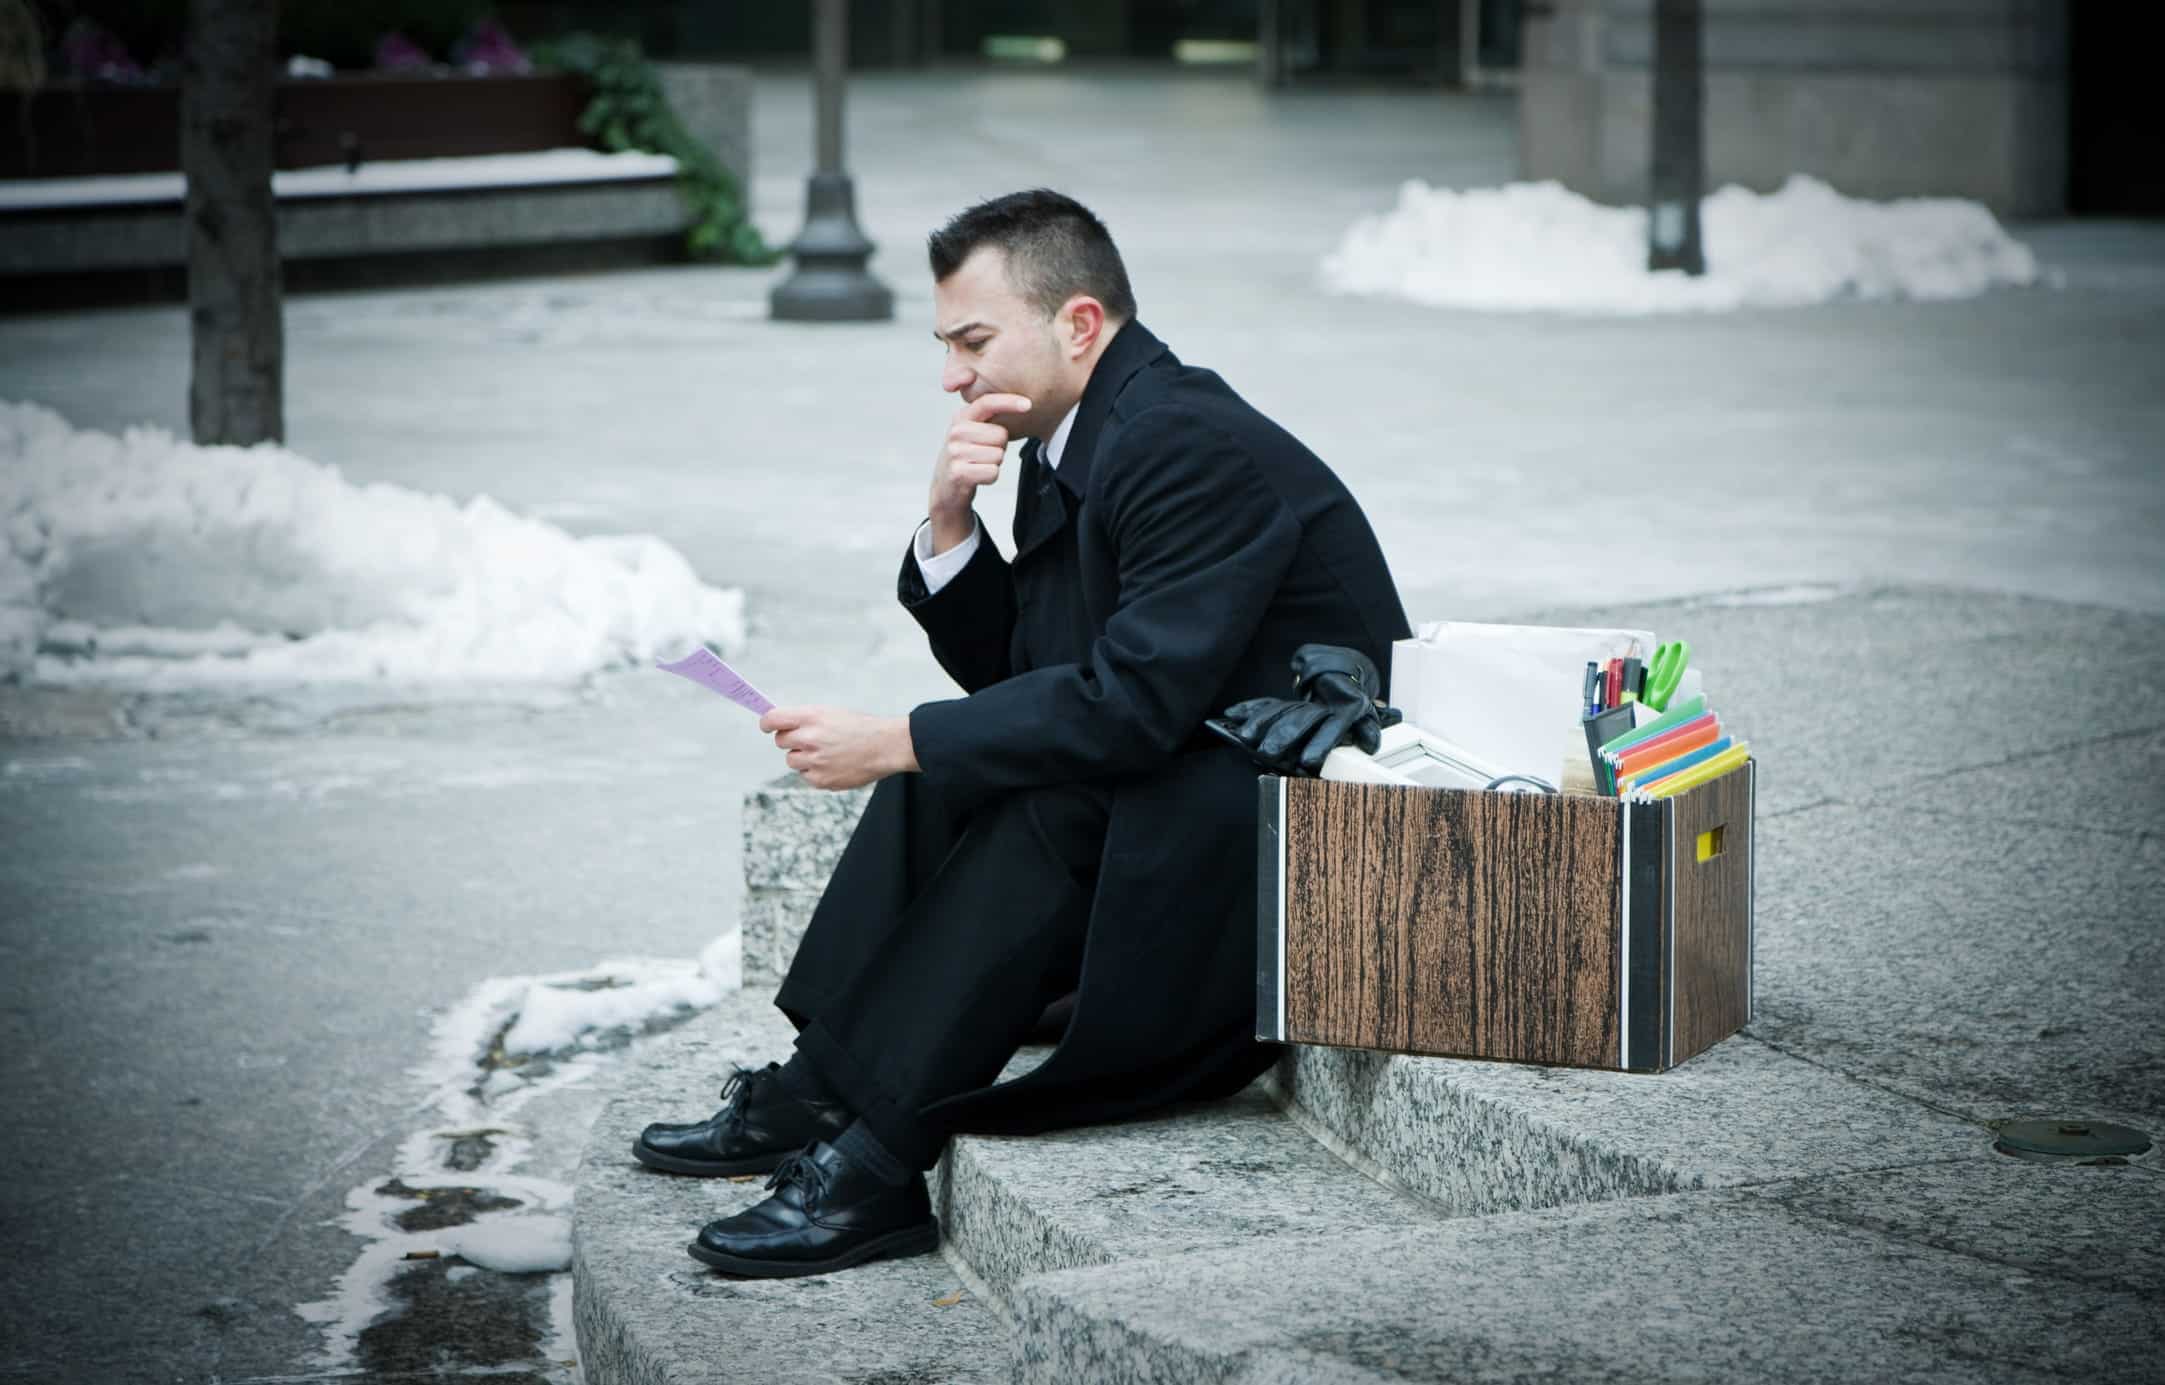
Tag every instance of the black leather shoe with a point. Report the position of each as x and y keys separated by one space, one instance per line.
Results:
x=760 y=1124
x=826 y=1214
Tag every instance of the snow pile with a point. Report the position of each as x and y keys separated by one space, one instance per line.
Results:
x=555 y=1012
x=563 y=1011
x=141 y=558
x=1540 y=247
x=513 y=1245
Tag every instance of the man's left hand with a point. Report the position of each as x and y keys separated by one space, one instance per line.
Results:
x=834 y=748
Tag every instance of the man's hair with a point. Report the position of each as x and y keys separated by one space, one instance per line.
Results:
x=1055 y=249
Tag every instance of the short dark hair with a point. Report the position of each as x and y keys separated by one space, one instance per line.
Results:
x=1055 y=249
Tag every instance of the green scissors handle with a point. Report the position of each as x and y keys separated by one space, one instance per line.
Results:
x=1663 y=672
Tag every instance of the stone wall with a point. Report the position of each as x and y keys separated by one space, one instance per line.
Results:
x=714 y=100
x=1955 y=98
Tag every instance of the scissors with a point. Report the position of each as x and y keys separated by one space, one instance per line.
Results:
x=1663 y=672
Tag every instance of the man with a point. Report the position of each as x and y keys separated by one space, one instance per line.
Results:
x=1067 y=826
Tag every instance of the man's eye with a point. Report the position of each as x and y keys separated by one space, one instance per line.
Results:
x=977 y=345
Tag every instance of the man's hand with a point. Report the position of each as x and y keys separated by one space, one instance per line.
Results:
x=838 y=749
x=971 y=458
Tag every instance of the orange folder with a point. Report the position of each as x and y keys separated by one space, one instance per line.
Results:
x=1690 y=736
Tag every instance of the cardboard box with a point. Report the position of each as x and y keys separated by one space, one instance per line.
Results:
x=1562 y=929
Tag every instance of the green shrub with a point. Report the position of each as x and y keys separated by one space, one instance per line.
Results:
x=628 y=110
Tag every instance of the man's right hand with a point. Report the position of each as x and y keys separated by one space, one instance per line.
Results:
x=971 y=458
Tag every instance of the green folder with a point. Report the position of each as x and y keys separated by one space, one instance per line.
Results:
x=1675 y=716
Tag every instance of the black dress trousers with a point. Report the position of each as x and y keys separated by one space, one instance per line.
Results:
x=944 y=933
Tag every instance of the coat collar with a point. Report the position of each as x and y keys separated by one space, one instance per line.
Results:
x=1132 y=348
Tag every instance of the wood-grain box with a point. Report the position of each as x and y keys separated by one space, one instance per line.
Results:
x=1562 y=929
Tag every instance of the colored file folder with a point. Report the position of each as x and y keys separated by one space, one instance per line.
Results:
x=1690 y=736
x=1667 y=721
x=1678 y=765
x=1732 y=758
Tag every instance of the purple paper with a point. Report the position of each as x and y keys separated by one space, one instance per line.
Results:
x=706 y=669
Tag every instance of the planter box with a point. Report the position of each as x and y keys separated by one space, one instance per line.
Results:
x=96 y=130
x=1561 y=929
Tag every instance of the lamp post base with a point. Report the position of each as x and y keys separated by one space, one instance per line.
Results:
x=830 y=282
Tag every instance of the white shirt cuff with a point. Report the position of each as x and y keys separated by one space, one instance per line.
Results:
x=938 y=570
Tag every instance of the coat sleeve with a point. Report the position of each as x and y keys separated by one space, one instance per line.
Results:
x=970 y=620
x=1201 y=543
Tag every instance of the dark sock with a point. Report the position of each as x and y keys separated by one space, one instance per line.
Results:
x=803 y=1082
x=860 y=1146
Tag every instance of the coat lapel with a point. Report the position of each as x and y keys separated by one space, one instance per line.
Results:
x=1040 y=509
x=1051 y=495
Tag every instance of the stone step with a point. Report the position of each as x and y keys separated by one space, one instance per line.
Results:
x=1221 y=1243
x=1230 y=1174
x=1234 y=1175
x=1984 y=1269
x=1496 y=1137
x=648 y=1313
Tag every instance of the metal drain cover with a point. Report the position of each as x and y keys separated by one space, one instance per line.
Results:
x=2070 y=1141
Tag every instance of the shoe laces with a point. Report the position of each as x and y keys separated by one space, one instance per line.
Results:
x=737 y=1096
x=799 y=1169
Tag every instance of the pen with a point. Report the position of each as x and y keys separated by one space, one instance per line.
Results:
x=1587 y=696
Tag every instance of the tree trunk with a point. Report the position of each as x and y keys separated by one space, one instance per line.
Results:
x=235 y=288
x=1679 y=179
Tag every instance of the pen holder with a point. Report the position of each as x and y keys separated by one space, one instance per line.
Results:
x=1561 y=929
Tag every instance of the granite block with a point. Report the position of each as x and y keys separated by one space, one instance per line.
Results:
x=1226 y=1174
x=1491 y=1137
x=1711 y=1286
x=647 y=1313
x=794 y=833
x=774 y=923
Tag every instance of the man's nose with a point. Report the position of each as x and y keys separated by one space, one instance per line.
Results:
x=955 y=377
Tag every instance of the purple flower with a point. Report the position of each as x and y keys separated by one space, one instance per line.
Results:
x=488 y=48
x=90 y=51
x=397 y=53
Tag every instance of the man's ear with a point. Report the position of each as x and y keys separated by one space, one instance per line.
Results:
x=1081 y=322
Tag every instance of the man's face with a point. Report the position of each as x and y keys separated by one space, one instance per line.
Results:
x=998 y=344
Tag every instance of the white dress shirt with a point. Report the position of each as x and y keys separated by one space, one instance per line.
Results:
x=939 y=568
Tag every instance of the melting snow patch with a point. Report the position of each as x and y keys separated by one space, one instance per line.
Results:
x=476 y=1144
x=1540 y=247
x=146 y=560
x=559 y=1012
x=513 y=1245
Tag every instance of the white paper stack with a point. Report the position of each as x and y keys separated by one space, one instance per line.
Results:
x=1510 y=694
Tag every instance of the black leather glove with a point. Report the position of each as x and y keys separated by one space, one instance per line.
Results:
x=1340 y=690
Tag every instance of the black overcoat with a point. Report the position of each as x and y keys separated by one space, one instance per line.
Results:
x=1169 y=566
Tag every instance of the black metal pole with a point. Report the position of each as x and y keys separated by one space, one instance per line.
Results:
x=830 y=58
x=1679 y=165
x=830 y=282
